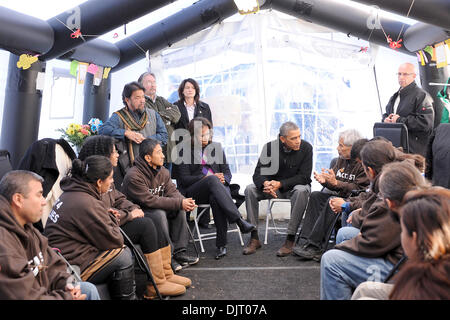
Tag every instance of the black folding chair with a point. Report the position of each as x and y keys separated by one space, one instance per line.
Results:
x=397 y=133
x=5 y=163
x=395 y=268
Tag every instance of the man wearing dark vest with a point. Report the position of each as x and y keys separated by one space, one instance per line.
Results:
x=132 y=124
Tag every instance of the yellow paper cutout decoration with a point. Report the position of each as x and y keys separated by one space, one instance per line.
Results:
x=25 y=61
x=106 y=72
x=422 y=61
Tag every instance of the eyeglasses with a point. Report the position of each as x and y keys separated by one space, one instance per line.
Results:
x=403 y=74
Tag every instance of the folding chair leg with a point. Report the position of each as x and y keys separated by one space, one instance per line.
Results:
x=240 y=236
x=330 y=231
x=193 y=241
x=267 y=225
x=141 y=261
x=198 y=234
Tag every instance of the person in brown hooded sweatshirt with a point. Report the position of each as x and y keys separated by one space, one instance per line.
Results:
x=140 y=229
x=371 y=254
x=148 y=184
x=29 y=268
x=80 y=226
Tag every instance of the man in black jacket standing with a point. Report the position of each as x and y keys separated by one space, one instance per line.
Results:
x=412 y=106
x=283 y=171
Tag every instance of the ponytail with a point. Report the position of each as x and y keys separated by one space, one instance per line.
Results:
x=92 y=169
x=376 y=153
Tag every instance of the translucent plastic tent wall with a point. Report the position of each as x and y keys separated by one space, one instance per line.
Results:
x=255 y=72
x=264 y=70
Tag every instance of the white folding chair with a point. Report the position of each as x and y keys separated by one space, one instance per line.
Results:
x=269 y=215
x=198 y=212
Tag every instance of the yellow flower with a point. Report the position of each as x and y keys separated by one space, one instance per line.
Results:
x=70 y=131
x=77 y=127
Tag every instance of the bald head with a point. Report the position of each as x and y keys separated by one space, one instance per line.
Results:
x=406 y=74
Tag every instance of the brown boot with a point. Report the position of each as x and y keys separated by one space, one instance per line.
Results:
x=165 y=287
x=168 y=272
x=251 y=247
x=286 y=249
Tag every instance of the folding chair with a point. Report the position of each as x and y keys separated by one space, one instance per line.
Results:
x=201 y=209
x=269 y=215
x=141 y=262
x=5 y=163
x=397 y=133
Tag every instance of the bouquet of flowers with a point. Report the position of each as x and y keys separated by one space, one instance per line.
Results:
x=77 y=133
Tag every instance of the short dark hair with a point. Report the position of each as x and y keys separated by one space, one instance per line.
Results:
x=17 y=181
x=147 y=146
x=356 y=148
x=204 y=122
x=92 y=168
x=129 y=88
x=97 y=145
x=196 y=86
x=286 y=127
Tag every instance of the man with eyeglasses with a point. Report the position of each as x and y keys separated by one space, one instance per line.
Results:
x=412 y=106
x=169 y=112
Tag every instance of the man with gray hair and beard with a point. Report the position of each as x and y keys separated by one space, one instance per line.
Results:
x=283 y=171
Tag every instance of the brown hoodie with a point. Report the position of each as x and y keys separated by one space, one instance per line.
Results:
x=29 y=268
x=379 y=235
x=117 y=200
x=150 y=188
x=350 y=176
x=80 y=225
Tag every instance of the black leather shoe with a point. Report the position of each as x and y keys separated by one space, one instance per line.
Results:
x=221 y=252
x=245 y=226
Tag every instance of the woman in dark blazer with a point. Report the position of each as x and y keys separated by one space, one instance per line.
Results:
x=190 y=105
x=205 y=177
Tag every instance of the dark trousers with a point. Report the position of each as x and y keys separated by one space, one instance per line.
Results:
x=121 y=262
x=211 y=190
x=318 y=221
x=172 y=226
x=142 y=231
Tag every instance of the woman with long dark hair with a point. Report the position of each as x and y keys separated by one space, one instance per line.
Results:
x=425 y=221
x=80 y=226
x=190 y=105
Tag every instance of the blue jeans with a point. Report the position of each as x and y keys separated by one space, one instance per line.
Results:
x=90 y=290
x=341 y=272
x=346 y=233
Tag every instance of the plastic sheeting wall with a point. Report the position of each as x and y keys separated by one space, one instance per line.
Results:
x=265 y=70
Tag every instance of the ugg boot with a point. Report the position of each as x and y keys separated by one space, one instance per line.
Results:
x=166 y=288
x=168 y=272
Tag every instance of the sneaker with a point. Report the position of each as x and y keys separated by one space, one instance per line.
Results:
x=308 y=252
x=286 y=249
x=184 y=259
x=176 y=266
